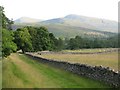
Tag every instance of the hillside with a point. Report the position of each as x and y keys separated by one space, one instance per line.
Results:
x=72 y=31
x=76 y=25
x=86 y=22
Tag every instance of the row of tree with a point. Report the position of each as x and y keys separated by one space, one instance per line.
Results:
x=34 y=39
x=79 y=42
x=28 y=39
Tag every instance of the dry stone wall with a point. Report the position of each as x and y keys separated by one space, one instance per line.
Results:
x=97 y=72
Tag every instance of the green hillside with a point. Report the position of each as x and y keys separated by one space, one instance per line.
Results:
x=72 y=25
x=61 y=30
x=20 y=71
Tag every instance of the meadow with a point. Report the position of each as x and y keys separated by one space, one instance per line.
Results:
x=19 y=71
x=94 y=50
x=102 y=59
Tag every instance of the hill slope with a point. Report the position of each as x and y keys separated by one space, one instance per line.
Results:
x=85 y=22
x=72 y=25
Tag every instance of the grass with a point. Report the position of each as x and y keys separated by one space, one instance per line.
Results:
x=0 y=74
x=90 y=50
x=105 y=59
x=20 y=71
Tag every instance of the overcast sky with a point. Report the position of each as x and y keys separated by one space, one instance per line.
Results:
x=48 y=9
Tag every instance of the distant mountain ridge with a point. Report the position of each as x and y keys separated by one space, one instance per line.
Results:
x=87 y=22
x=27 y=20
x=72 y=25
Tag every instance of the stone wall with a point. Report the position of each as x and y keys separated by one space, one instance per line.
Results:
x=97 y=72
x=97 y=52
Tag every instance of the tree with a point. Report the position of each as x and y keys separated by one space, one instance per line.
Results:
x=53 y=41
x=59 y=44
x=72 y=44
x=8 y=46
x=23 y=39
x=33 y=32
x=41 y=38
x=76 y=43
x=6 y=23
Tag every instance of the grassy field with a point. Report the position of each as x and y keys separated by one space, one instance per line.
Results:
x=91 y=50
x=20 y=71
x=105 y=59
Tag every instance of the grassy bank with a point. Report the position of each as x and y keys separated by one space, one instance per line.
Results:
x=20 y=71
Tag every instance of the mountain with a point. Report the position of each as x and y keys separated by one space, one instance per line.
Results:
x=72 y=25
x=86 y=22
x=27 y=20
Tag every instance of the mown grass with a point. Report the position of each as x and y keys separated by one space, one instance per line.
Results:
x=12 y=75
x=105 y=59
x=20 y=71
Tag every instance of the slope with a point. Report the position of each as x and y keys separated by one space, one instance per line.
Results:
x=72 y=25
x=85 y=22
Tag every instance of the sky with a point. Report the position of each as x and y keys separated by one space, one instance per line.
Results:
x=48 y=9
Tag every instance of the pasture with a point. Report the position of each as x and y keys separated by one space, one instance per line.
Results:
x=19 y=71
x=109 y=59
x=95 y=50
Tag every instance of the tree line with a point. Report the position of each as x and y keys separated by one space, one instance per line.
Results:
x=33 y=39
x=78 y=42
x=28 y=39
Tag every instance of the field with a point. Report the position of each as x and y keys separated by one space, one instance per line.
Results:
x=20 y=71
x=91 y=50
x=105 y=59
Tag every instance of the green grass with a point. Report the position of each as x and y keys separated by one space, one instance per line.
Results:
x=20 y=71
x=0 y=74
